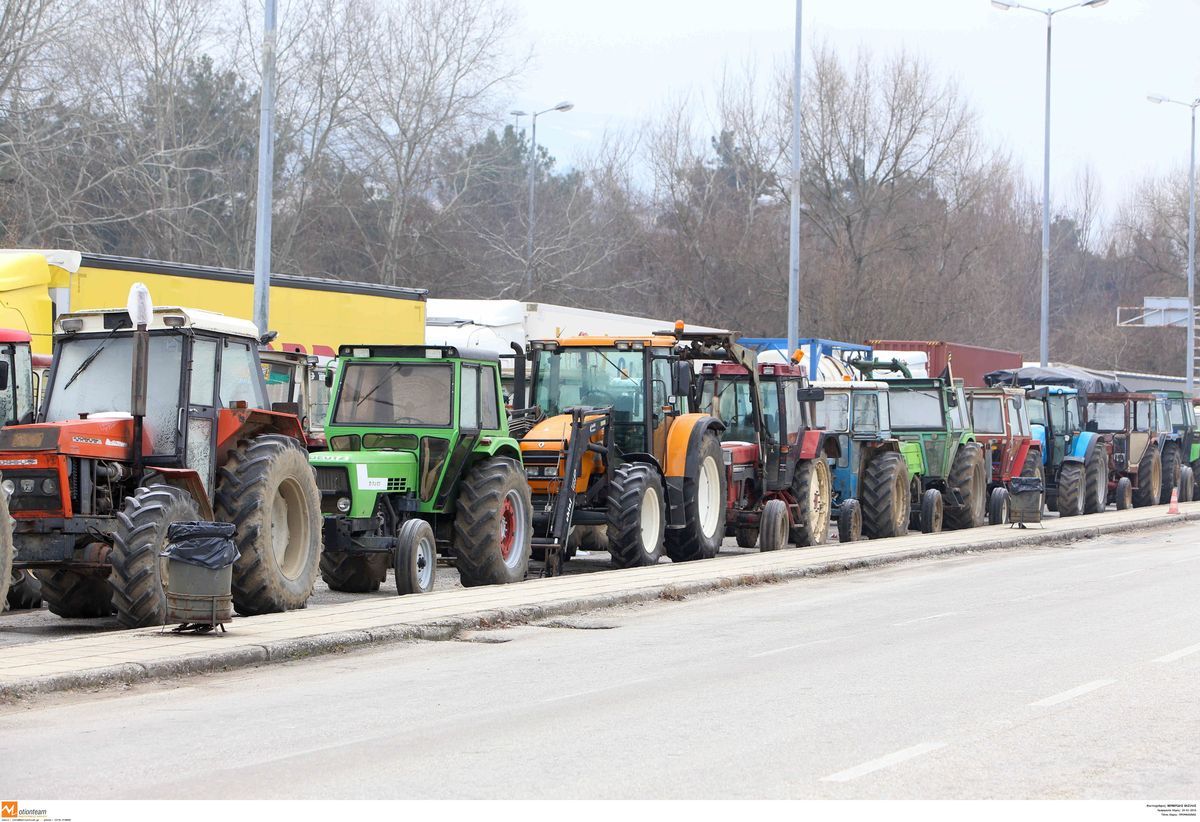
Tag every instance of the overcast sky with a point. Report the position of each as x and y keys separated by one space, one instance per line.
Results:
x=619 y=60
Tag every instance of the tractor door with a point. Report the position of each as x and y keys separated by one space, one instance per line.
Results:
x=664 y=404
x=1141 y=428
x=470 y=425
x=1064 y=421
x=200 y=427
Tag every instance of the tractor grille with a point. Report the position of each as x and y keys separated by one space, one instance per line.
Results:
x=34 y=491
x=540 y=464
x=333 y=480
x=397 y=484
x=935 y=453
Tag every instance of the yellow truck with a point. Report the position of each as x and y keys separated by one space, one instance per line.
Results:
x=312 y=315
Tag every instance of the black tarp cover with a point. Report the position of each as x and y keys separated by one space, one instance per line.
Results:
x=1078 y=379
x=204 y=544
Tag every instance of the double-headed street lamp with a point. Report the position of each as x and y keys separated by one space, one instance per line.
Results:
x=563 y=106
x=1191 y=274
x=1005 y=5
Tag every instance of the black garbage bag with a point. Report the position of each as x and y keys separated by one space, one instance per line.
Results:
x=205 y=544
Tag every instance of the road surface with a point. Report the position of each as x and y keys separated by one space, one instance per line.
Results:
x=1066 y=672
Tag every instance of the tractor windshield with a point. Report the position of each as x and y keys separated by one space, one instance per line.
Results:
x=395 y=394
x=728 y=399
x=1108 y=417
x=1037 y=411
x=833 y=413
x=917 y=409
x=105 y=385
x=1178 y=409
x=987 y=417
x=596 y=377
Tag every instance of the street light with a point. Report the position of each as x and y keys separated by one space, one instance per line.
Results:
x=1191 y=275
x=563 y=106
x=1006 y=5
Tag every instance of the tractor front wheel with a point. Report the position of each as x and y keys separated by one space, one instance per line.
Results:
x=493 y=525
x=932 y=511
x=850 y=521
x=773 y=524
x=703 y=507
x=747 y=537
x=813 y=489
x=1124 y=494
x=353 y=573
x=1071 y=489
x=415 y=560
x=1187 y=487
x=886 y=497
x=636 y=516
x=25 y=592
x=72 y=595
x=267 y=489
x=1150 y=479
x=139 y=573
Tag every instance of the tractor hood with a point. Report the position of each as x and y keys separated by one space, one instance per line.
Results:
x=107 y=438
x=550 y=433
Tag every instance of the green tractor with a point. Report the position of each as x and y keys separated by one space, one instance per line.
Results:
x=420 y=462
x=950 y=484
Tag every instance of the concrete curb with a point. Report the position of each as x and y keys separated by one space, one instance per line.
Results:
x=445 y=629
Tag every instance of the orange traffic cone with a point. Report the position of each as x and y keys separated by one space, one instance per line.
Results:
x=1174 y=509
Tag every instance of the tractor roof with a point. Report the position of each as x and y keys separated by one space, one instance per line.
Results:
x=853 y=385
x=733 y=369
x=593 y=341
x=102 y=320
x=415 y=352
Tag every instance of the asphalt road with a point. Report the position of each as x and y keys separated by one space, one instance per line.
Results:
x=1065 y=672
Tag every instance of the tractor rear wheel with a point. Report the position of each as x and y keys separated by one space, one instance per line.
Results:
x=1071 y=489
x=7 y=552
x=493 y=525
x=25 y=592
x=1124 y=494
x=812 y=487
x=139 y=574
x=353 y=573
x=1172 y=462
x=850 y=521
x=267 y=489
x=773 y=524
x=636 y=516
x=1150 y=479
x=968 y=478
x=703 y=507
x=1095 y=492
x=76 y=596
x=886 y=496
x=932 y=511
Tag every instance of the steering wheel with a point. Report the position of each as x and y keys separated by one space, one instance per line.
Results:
x=608 y=398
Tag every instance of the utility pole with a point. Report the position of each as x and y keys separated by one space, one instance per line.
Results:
x=793 y=304
x=266 y=174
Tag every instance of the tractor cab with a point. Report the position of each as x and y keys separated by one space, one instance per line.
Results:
x=295 y=384
x=1130 y=425
x=17 y=401
x=1180 y=449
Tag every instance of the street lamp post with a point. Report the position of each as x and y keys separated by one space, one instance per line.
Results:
x=793 y=306
x=1005 y=5
x=1191 y=272
x=563 y=106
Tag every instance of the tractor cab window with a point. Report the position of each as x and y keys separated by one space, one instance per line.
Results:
x=1037 y=411
x=1177 y=411
x=833 y=412
x=1108 y=417
x=918 y=409
x=16 y=400
x=959 y=414
x=987 y=415
x=400 y=394
x=597 y=377
x=93 y=376
x=468 y=399
x=660 y=375
x=769 y=389
x=866 y=413
x=204 y=372
x=240 y=378
x=1072 y=408
x=729 y=401
x=281 y=382
x=1143 y=416
x=489 y=401
x=1016 y=417
x=794 y=410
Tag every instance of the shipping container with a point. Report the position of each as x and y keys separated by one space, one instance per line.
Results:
x=967 y=362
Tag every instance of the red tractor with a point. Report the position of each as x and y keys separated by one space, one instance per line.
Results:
x=1002 y=427
x=94 y=483
x=775 y=457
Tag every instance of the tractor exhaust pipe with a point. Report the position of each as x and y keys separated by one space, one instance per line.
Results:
x=141 y=311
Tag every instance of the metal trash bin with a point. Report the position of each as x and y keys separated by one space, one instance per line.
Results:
x=1025 y=496
x=200 y=557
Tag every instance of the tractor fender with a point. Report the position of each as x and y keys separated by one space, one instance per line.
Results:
x=1018 y=463
x=235 y=424
x=500 y=447
x=681 y=460
x=645 y=459
x=188 y=481
x=1082 y=446
x=815 y=441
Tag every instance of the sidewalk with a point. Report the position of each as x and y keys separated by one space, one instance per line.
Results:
x=147 y=653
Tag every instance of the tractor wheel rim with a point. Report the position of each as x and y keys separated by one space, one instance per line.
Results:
x=289 y=529
x=816 y=500
x=708 y=497
x=512 y=529
x=900 y=501
x=651 y=518
x=425 y=562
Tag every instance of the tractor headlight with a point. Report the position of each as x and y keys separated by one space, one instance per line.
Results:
x=49 y=486
x=343 y=504
x=9 y=487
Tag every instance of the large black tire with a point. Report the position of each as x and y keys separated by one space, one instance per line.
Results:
x=139 y=574
x=885 y=496
x=704 y=495
x=493 y=524
x=1124 y=494
x=932 y=515
x=1033 y=468
x=1187 y=488
x=773 y=525
x=414 y=564
x=267 y=489
x=813 y=487
x=968 y=477
x=747 y=537
x=76 y=596
x=635 y=540
x=998 y=506
x=849 y=521
x=1172 y=462
x=25 y=592
x=7 y=552
x=1095 y=486
x=1150 y=479
x=1071 y=489
x=353 y=573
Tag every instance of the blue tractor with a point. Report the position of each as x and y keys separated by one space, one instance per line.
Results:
x=1075 y=459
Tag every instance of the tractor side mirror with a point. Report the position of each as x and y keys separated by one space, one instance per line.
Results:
x=810 y=394
x=681 y=383
x=952 y=399
x=3 y=375
x=329 y=378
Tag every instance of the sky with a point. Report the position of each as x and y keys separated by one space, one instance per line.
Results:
x=619 y=61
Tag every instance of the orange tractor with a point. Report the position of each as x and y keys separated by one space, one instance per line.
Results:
x=94 y=483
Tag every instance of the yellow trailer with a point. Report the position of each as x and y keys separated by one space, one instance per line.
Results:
x=313 y=315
